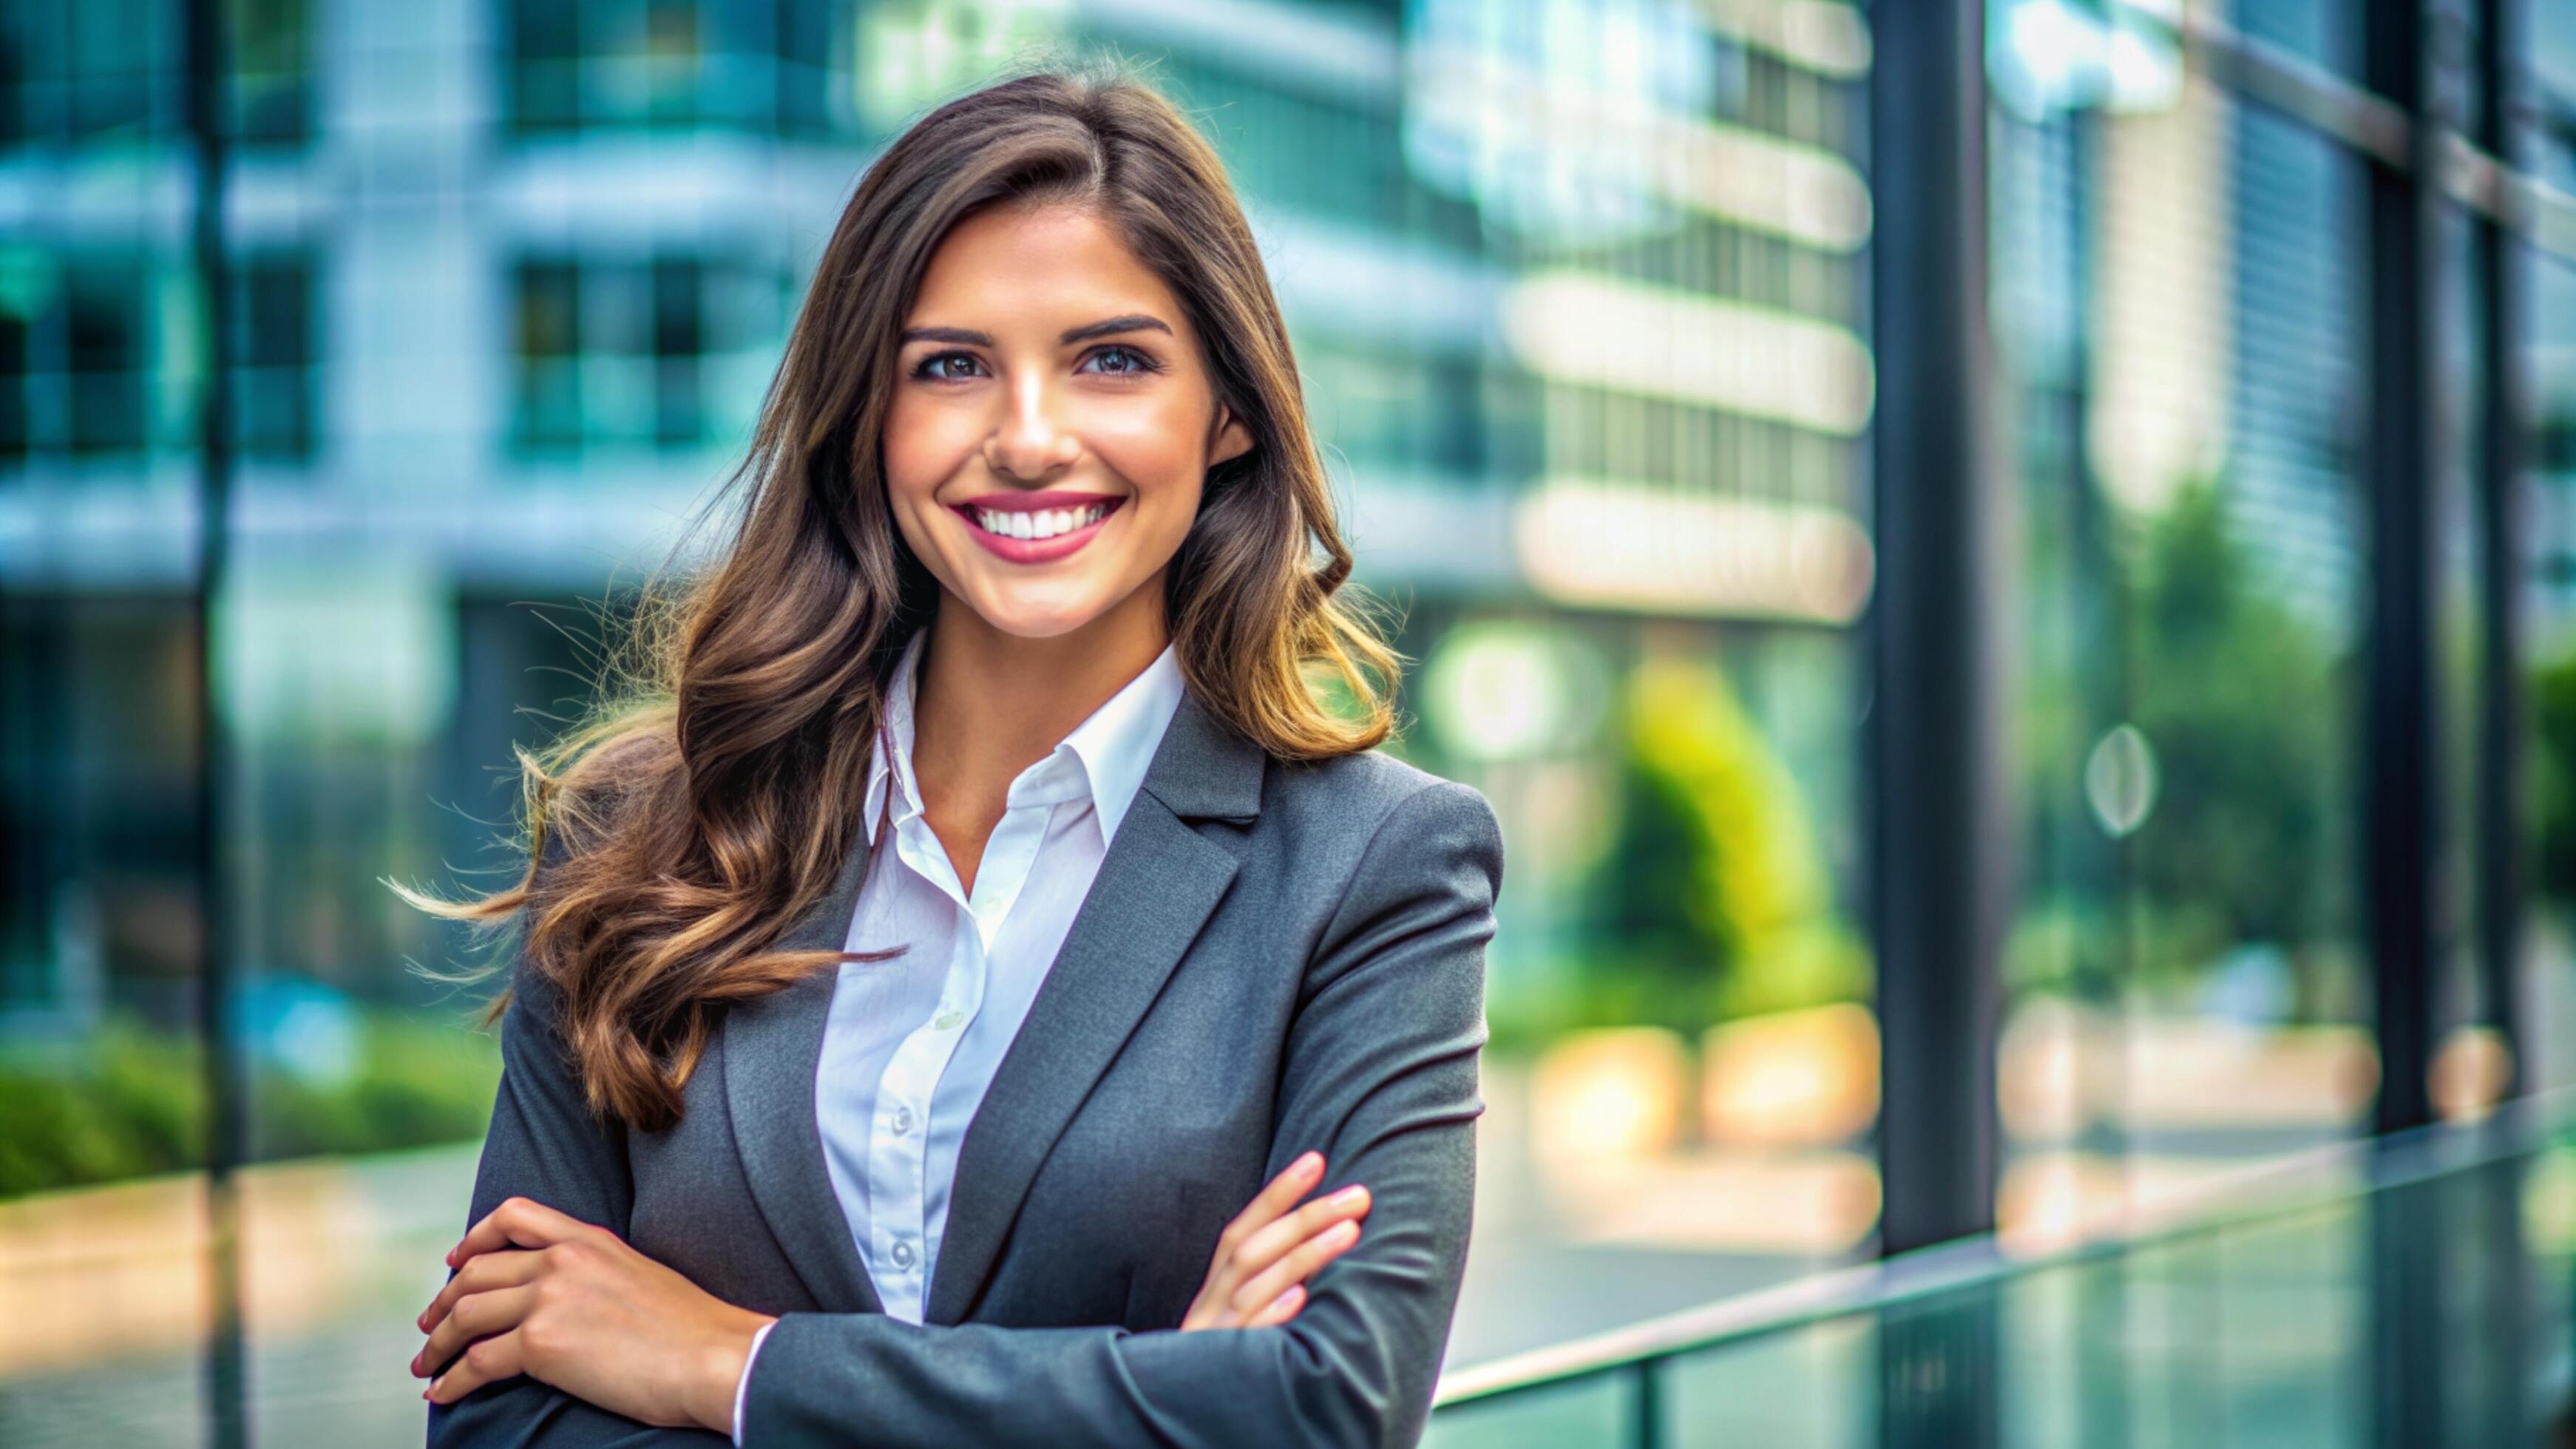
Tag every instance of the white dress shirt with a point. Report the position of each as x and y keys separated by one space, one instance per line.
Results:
x=912 y=1041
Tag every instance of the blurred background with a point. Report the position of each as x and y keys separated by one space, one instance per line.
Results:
x=2010 y=569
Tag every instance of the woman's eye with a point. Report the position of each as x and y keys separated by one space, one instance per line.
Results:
x=929 y=366
x=1134 y=361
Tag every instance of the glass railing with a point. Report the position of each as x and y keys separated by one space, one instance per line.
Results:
x=2413 y=1289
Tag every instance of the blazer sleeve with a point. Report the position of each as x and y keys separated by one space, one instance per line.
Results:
x=544 y=1144
x=1380 y=1073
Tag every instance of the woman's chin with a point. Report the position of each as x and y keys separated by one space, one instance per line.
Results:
x=1032 y=613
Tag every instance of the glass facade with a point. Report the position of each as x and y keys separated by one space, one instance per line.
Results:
x=2548 y=665
x=1580 y=292
x=2181 y=314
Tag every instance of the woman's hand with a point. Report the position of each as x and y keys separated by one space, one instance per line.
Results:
x=572 y=1305
x=1269 y=1251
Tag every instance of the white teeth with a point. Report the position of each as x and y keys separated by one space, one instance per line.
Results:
x=1042 y=523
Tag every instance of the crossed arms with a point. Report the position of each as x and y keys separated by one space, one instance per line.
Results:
x=1379 y=1075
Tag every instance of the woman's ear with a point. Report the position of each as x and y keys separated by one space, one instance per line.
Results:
x=1233 y=439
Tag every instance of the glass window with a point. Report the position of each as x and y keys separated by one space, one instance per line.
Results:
x=648 y=353
x=106 y=353
x=273 y=353
x=2547 y=59
x=271 y=93
x=666 y=65
x=2177 y=303
x=109 y=70
x=2548 y=599
x=1632 y=528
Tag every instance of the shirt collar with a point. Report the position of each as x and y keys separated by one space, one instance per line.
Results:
x=1114 y=745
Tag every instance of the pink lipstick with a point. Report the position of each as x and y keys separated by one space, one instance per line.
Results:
x=1054 y=508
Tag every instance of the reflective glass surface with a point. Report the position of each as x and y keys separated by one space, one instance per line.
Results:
x=2414 y=1290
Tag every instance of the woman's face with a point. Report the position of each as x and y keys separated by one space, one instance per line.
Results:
x=1052 y=421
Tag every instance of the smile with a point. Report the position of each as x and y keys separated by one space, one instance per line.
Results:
x=1023 y=534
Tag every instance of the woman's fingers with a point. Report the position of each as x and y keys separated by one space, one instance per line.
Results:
x=519 y=1221
x=487 y=1361
x=1273 y=1242
x=1300 y=1264
x=477 y=1316
x=1281 y=1309
x=1276 y=1197
x=481 y=1272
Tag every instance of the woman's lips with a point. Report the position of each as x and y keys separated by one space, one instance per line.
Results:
x=1036 y=550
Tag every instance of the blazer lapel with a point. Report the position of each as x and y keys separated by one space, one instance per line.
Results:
x=773 y=1047
x=1155 y=888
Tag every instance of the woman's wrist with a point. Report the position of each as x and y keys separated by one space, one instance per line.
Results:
x=719 y=1388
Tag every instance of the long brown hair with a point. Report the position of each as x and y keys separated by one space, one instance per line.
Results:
x=708 y=800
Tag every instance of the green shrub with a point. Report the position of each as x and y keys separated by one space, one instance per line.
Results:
x=130 y=1101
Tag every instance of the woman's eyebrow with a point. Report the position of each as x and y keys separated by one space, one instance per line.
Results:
x=1131 y=322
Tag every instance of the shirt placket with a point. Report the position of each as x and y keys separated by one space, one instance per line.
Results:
x=1009 y=856
x=901 y=1157
x=899 y=1154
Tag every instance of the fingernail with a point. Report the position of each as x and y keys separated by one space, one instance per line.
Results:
x=1349 y=1196
x=1310 y=1163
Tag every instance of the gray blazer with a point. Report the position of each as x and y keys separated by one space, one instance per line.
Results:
x=1274 y=956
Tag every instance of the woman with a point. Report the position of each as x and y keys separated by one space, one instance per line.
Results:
x=998 y=704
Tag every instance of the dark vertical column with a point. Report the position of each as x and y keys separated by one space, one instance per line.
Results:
x=2401 y=776
x=1940 y=843
x=204 y=52
x=1936 y=785
x=2403 y=464
x=2504 y=429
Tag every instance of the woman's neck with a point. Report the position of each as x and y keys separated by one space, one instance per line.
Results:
x=989 y=704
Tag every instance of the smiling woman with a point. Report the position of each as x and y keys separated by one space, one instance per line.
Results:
x=971 y=963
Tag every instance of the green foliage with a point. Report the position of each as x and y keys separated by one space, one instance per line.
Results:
x=1713 y=900
x=130 y=1102
x=2246 y=708
x=133 y=1107
x=2553 y=780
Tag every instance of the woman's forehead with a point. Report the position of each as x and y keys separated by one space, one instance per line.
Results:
x=1031 y=269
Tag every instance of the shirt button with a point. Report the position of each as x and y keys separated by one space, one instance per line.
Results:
x=902 y=1120
x=902 y=1253
x=946 y=1019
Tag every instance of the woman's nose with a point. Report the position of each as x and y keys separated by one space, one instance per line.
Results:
x=1031 y=441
